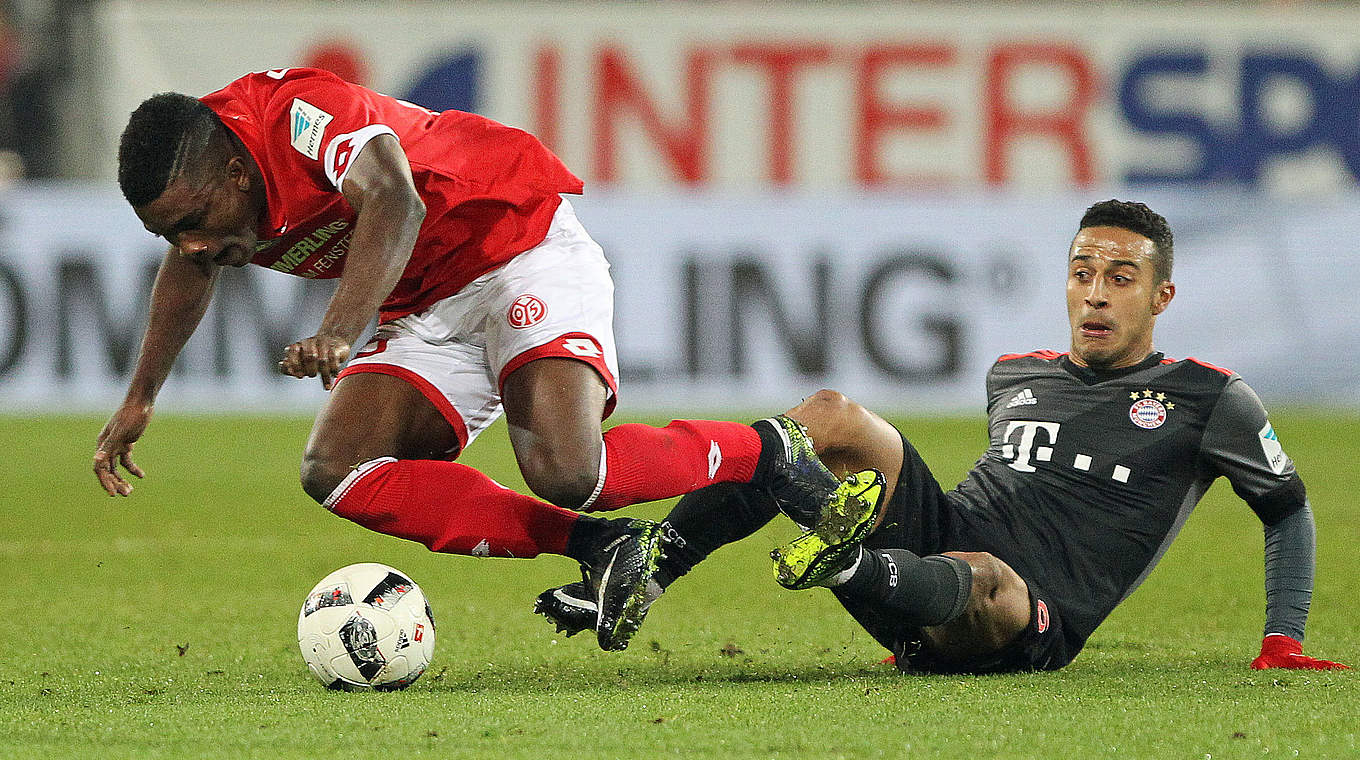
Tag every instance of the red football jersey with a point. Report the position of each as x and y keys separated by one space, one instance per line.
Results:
x=489 y=190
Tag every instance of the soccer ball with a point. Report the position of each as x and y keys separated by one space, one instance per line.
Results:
x=366 y=626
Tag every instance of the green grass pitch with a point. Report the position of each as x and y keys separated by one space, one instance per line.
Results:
x=162 y=626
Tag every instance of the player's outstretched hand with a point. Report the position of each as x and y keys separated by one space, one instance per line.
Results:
x=1280 y=651
x=323 y=355
x=114 y=447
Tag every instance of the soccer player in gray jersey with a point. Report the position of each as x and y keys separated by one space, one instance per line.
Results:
x=1096 y=458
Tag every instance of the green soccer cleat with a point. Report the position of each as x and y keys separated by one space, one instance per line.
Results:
x=834 y=540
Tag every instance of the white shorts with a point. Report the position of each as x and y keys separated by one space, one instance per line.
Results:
x=554 y=300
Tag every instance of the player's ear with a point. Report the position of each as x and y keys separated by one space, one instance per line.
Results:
x=1162 y=298
x=237 y=174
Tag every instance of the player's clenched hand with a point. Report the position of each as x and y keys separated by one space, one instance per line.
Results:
x=1280 y=651
x=114 y=447
x=323 y=355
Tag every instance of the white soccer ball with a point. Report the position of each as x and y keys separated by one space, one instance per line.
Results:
x=366 y=626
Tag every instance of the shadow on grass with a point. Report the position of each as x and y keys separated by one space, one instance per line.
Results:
x=597 y=675
x=645 y=676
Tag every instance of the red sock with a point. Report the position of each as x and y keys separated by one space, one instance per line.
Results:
x=451 y=508
x=645 y=463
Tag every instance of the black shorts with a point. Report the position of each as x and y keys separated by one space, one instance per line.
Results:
x=920 y=518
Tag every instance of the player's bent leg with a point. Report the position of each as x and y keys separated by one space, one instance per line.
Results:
x=369 y=416
x=554 y=404
x=997 y=612
x=849 y=438
x=554 y=407
x=377 y=456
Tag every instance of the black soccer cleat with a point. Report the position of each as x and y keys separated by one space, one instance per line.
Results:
x=623 y=574
x=571 y=608
x=799 y=482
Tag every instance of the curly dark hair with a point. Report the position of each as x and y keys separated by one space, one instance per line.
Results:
x=1135 y=217
x=163 y=136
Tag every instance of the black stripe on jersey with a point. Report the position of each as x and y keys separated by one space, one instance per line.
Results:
x=1280 y=503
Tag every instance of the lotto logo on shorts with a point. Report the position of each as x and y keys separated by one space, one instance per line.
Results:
x=1040 y=615
x=526 y=311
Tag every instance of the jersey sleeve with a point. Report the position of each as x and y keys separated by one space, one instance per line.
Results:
x=1240 y=444
x=325 y=120
x=1291 y=545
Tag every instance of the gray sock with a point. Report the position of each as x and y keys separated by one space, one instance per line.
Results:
x=923 y=590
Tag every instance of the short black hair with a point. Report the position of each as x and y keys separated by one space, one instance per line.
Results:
x=1135 y=217
x=162 y=137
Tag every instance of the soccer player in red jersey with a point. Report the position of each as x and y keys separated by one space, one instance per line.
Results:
x=490 y=296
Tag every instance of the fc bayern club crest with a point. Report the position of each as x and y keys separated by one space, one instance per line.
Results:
x=1148 y=413
x=526 y=311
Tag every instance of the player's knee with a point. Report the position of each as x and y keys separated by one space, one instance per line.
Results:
x=824 y=404
x=563 y=487
x=993 y=580
x=559 y=477
x=320 y=475
x=825 y=412
x=833 y=420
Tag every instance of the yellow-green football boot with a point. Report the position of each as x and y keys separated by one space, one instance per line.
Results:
x=834 y=539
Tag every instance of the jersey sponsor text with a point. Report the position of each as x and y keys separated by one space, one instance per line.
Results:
x=300 y=251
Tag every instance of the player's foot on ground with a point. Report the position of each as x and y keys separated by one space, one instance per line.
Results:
x=833 y=541
x=571 y=608
x=623 y=574
x=799 y=482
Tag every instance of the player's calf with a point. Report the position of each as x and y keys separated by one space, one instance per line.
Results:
x=561 y=478
x=921 y=592
x=370 y=416
x=320 y=475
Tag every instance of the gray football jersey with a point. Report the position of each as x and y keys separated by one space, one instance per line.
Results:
x=1089 y=476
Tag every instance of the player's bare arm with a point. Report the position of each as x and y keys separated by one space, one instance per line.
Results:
x=389 y=213
x=179 y=299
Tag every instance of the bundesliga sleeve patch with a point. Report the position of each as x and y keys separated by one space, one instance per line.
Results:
x=307 y=124
x=1270 y=446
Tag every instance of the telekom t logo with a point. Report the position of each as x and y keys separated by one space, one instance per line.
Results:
x=1021 y=451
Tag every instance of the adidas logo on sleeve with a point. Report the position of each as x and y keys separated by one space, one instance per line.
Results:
x=1023 y=398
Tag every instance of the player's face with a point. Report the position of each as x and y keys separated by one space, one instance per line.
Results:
x=1113 y=297
x=209 y=215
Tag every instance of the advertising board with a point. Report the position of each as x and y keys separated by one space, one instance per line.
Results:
x=741 y=302
x=805 y=96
